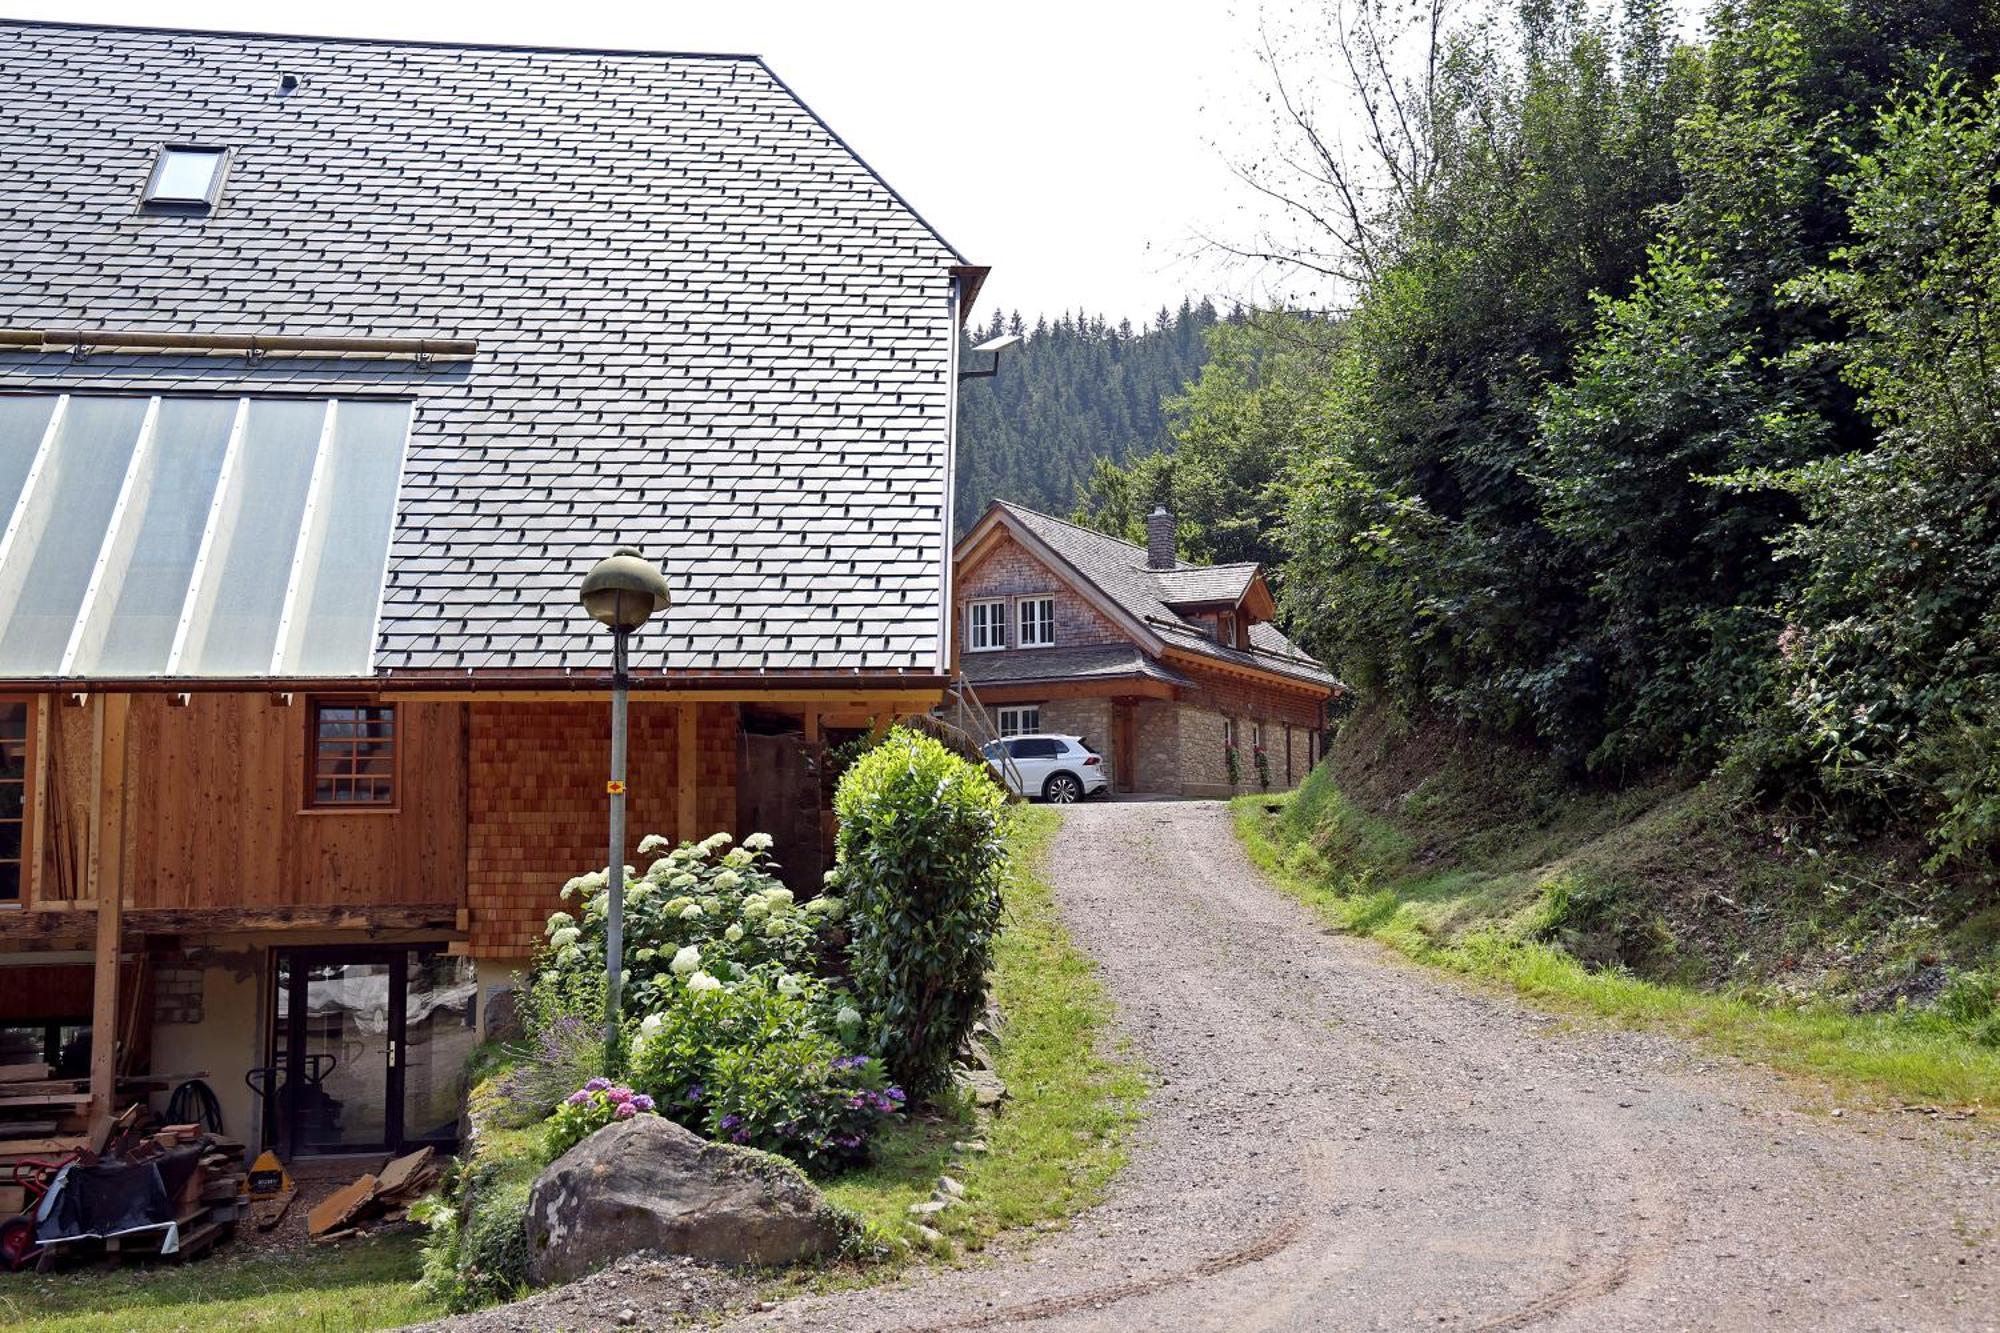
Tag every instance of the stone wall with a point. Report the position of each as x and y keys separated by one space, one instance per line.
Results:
x=1156 y=745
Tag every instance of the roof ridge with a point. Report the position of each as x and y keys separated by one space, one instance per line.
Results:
x=166 y=30
x=1179 y=568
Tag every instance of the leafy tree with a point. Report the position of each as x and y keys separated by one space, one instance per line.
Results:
x=1892 y=654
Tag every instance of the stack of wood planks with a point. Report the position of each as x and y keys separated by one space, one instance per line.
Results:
x=40 y=1116
x=386 y=1197
x=44 y=1117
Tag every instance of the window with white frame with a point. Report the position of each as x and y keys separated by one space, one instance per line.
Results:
x=1038 y=622
x=1019 y=720
x=985 y=626
x=1228 y=732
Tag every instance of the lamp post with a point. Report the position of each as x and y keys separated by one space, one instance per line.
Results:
x=622 y=592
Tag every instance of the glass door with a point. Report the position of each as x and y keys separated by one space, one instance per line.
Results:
x=368 y=1048
x=438 y=1037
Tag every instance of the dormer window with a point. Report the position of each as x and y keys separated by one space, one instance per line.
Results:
x=186 y=178
x=1225 y=629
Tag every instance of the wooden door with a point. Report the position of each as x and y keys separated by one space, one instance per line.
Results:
x=778 y=792
x=1124 y=746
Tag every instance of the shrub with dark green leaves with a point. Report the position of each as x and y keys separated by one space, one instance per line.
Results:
x=919 y=863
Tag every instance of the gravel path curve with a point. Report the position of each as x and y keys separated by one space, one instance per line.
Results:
x=1341 y=1141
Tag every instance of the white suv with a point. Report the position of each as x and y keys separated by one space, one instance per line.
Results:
x=1059 y=769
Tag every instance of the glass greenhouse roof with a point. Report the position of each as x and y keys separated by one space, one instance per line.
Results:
x=181 y=536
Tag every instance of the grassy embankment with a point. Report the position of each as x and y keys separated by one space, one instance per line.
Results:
x=1663 y=907
x=1050 y=1153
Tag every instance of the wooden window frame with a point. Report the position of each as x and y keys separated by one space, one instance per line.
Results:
x=25 y=885
x=309 y=804
x=996 y=624
x=1021 y=605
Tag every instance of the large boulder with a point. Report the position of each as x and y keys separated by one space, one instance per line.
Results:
x=648 y=1184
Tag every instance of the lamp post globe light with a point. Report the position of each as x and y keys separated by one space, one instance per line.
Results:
x=622 y=592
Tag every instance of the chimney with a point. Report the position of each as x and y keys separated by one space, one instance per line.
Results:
x=1160 y=539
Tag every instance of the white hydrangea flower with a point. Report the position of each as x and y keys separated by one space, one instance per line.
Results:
x=848 y=1017
x=675 y=906
x=727 y=880
x=702 y=981
x=755 y=909
x=738 y=857
x=831 y=878
x=789 y=987
x=650 y=1024
x=684 y=880
x=686 y=961
x=757 y=842
x=692 y=912
x=733 y=934
x=653 y=844
x=779 y=899
x=707 y=846
x=557 y=920
x=565 y=937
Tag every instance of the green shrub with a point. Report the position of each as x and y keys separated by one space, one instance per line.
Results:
x=920 y=862
x=757 y=1065
x=564 y=1054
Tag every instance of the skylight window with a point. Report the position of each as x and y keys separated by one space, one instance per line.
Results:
x=184 y=536
x=187 y=177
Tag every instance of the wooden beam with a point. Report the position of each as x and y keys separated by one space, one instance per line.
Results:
x=38 y=809
x=105 y=876
x=811 y=725
x=874 y=701
x=80 y=922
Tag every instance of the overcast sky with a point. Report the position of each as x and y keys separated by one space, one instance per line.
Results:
x=1079 y=148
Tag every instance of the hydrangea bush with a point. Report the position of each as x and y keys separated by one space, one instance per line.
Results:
x=702 y=913
x=761 y=1061
x=590 y=1108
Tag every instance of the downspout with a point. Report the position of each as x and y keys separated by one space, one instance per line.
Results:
x=950 y=478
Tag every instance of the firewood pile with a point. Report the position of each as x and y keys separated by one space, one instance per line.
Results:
x=375 y=1199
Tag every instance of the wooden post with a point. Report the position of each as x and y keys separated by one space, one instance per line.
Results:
x=104 y=878
x=812 y=726
x=35 y=844
x=687 y=733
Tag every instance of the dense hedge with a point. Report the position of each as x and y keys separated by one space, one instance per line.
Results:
x=919 y=864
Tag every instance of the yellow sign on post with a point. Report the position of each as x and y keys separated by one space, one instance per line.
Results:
x=614 y=788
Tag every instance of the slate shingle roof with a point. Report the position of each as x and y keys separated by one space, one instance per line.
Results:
x=1119 y=570
x=706 y=327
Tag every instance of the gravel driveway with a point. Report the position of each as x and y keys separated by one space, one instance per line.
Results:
x=1341 y=1141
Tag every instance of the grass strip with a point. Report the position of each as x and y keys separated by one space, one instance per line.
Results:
x=1073 y=1095
x=360 y=1284
x=1910 y=1057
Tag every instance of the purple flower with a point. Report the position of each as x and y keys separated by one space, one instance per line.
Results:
x=740 y=1136
x=730 y=1122
x=619 y=1095
x=643 y=1102
x=625 y=1111
x=893 y=1093
x=849 y=1141
x=857 y=1101
x=597 y=1085
x=577 y=1098
x=696 y=1092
